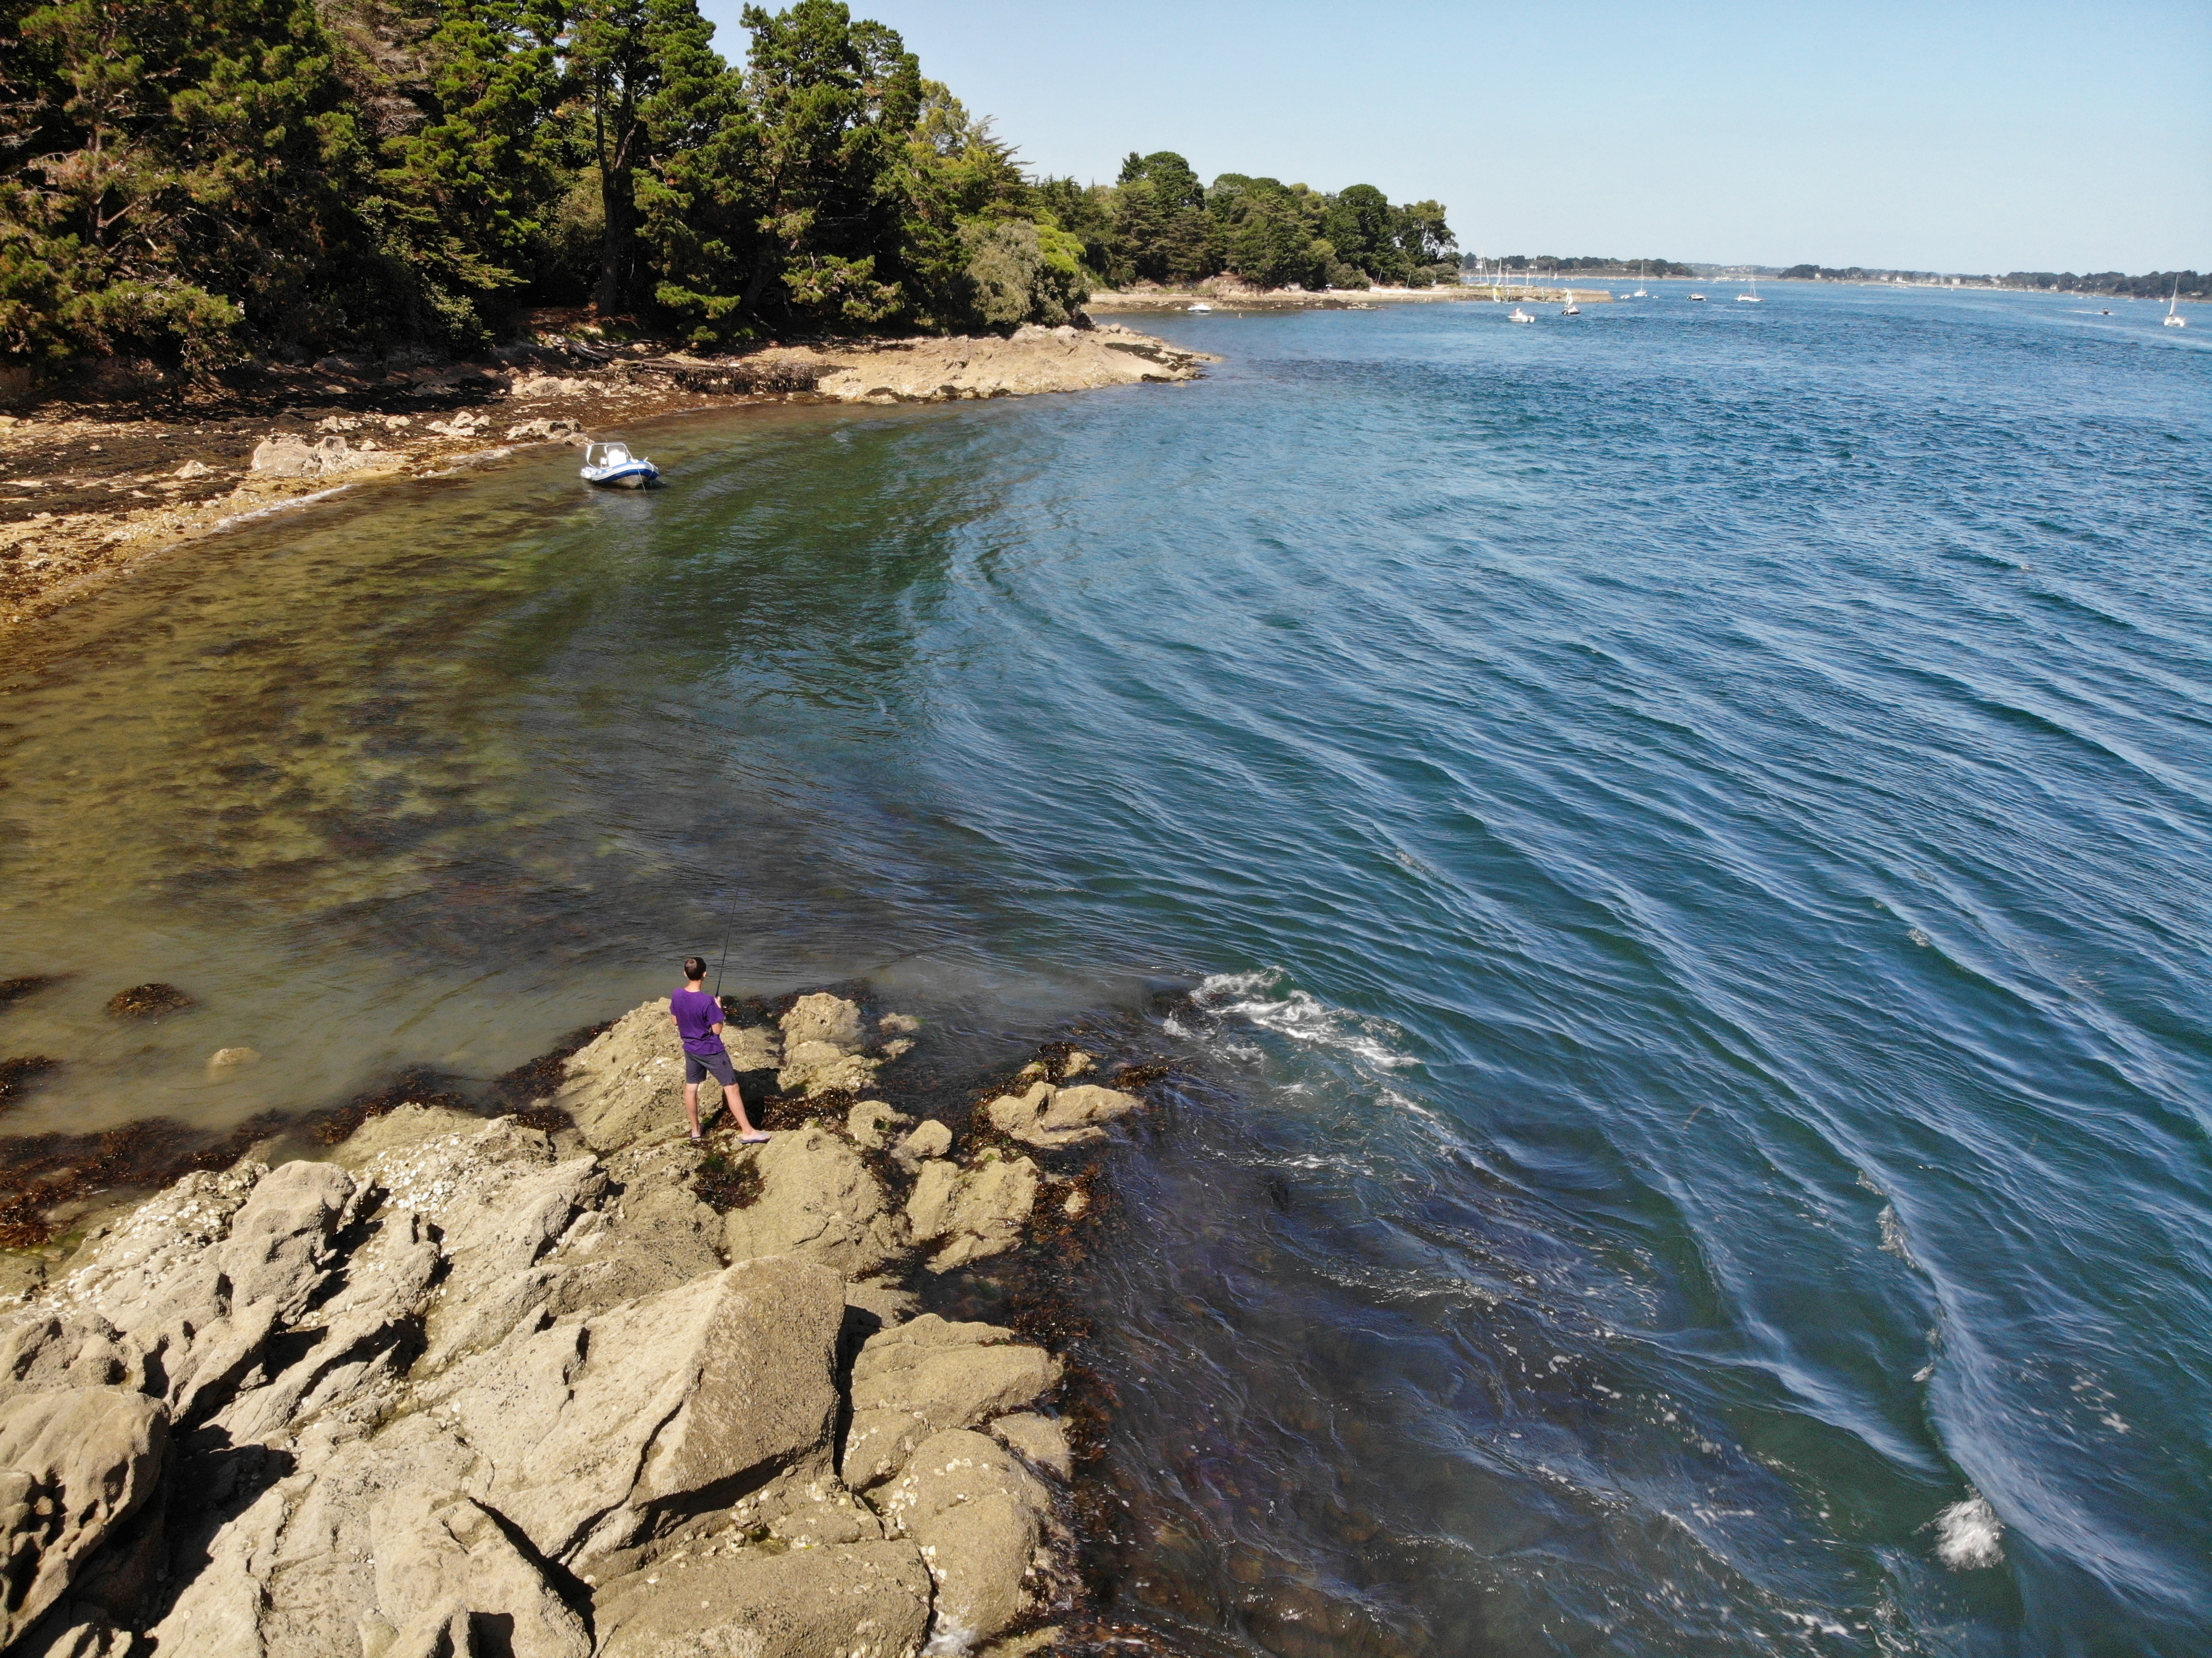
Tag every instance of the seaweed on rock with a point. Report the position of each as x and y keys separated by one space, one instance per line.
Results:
x=148 y=1001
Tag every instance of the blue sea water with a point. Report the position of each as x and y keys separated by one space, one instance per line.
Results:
x=1671 y=846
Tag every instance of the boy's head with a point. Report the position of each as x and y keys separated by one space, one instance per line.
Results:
x=694 y=969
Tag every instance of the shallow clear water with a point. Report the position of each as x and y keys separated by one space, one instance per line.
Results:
x=1689 y=825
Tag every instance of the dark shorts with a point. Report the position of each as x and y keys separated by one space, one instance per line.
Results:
x=697 y=1067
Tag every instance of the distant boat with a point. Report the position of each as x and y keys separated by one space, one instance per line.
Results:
x=1751 y=298
x=1639 y=294
x=2106 y=312
x=615 y=468
x=2173 y=318
x=1570 y=309
x=1202 y=306
x=1699 y=298
x=1519 y=315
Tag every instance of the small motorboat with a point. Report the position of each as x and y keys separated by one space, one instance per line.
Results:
x=1519 y=315
x=611 y=466
x=1699 y=298
x=1201 y=305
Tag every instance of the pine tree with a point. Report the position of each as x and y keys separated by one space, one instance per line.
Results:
x=462 y=200
x=175 y=182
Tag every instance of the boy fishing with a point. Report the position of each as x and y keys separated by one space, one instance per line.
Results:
x=698 y=1018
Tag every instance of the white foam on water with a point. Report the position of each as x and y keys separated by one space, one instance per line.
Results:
x=1892 y=1235
x=1966 y=1535
x=1301 y=1016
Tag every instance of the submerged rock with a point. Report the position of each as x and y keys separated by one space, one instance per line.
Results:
x=144 y=1001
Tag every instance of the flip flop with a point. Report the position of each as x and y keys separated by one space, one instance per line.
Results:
x=753 y=1139
x=698 y=1139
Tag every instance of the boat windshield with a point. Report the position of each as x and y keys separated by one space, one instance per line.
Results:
x=613 y=454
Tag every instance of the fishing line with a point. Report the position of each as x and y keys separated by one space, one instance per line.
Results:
x=729 y=927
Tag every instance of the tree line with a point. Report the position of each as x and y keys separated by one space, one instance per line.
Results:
x=1158 y=223
x=203 y=184
x=1594 y=265
x=2152 y=285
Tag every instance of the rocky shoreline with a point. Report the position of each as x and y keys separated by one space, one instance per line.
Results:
x=560 y=1383
x=88 y=491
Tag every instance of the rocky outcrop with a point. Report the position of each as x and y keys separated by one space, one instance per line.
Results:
x=288 y=455
x=479 y=1389
x=1045 y=1116
x=1032 y=360
x=972 y=1212
x=817 y=1199
x=75 y=1465
x=823 y=1040
x=626 y=1084
x=977 y=1515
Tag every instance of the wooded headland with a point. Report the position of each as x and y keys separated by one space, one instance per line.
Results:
x=189 y=193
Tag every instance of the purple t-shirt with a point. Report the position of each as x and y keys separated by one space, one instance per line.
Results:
x=697 y=1013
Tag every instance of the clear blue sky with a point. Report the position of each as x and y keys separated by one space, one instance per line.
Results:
x=1939 y=135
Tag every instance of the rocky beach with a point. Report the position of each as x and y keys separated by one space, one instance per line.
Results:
x=135 y=468
x=559 y=1382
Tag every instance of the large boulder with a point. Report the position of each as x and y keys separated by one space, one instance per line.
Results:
x=867 y=1599
x=816 y=1199
x=978 y=1211
x=978 y=1516
x=822 y=1017
x=1046 y=1117
x=822 y=1040
x=76 y=1466
x=950 y=1375
x=593 y=1433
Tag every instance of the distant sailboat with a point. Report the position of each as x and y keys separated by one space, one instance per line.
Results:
x=1751 y=298
x=1519 y=315
x=1639 y=294
x=1570 y=309
x=2173 y=318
